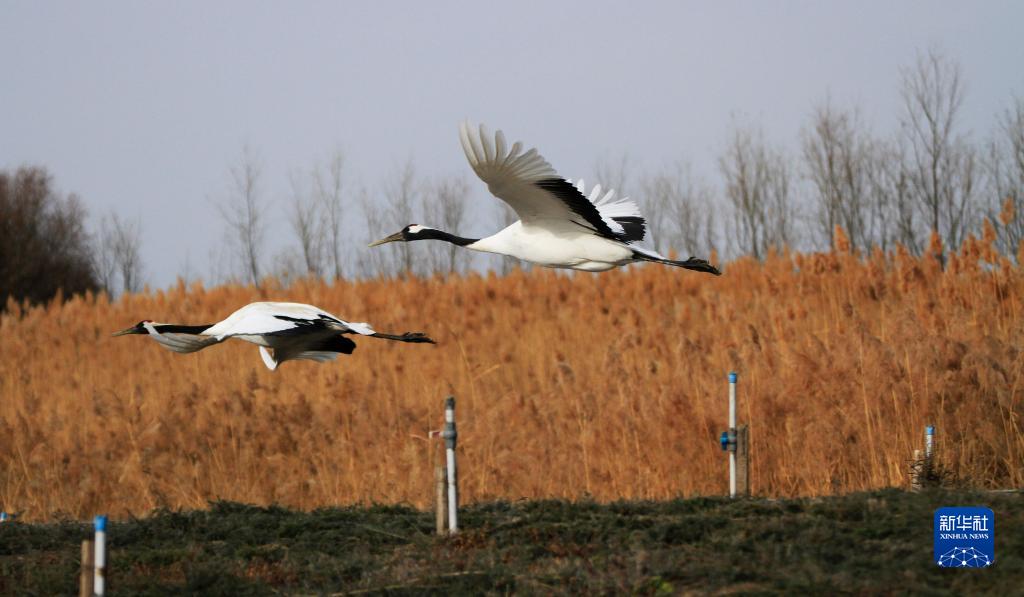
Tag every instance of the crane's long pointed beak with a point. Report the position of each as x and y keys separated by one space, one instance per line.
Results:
x=130 y=330
x=387 y=239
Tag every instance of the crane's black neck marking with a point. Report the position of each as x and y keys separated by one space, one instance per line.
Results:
x=433 y=234
x=170 y=328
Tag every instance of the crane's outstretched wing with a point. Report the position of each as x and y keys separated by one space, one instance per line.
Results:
x=282 y=319
x=531 y=187
x=624 y=211
x=321 y=351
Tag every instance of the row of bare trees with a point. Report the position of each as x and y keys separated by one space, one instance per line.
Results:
x=331 y=219
x=882 y=189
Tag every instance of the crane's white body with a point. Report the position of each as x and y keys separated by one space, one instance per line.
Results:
x=256 y=322
x=557 y=244
x=290 y=330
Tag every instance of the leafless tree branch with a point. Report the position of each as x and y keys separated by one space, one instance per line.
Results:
x=942 y=165
x=243 y=212
x=757 y=185
x=330 y=192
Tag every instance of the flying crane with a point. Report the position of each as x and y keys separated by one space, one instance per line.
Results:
x=559 y=225
x=283 y=331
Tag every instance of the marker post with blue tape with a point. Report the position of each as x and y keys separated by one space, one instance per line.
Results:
x=100 y=555
x=923 y=465
x=736 y=441
x=733 y=378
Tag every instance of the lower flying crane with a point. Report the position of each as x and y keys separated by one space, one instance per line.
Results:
x=283 y=331
x=559 y=226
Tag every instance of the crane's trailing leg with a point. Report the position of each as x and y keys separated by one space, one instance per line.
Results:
x=698 y=265
x=406 y=337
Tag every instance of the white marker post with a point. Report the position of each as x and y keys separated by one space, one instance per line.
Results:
x=439 y=499
x=732 y=433
x=450 y=434
x=100 y=556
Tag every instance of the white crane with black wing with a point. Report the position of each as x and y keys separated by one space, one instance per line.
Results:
x=283 y=331
x=559 y=226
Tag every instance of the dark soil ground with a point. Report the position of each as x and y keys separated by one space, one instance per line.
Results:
x=869 y=543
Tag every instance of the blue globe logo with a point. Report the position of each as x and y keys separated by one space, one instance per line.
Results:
x=964 y=557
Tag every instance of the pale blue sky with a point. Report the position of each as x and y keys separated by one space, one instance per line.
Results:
x=140 y=107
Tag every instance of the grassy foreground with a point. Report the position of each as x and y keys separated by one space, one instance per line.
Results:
x=879 y=542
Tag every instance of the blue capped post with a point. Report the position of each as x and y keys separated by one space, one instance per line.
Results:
x=100 y=555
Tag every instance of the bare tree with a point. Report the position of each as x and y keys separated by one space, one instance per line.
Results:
x=942 y=164
x=757 y=185
x=243 y=213
x=890 y=215
x=118 y=254
x=660 y=191
x=781 y=220
x=838 y=163
x=373 y=263
x=329 y=182
x=1005 y=167
x=445 y=207
x=402 y=196
x=286 y=266
x=103 y=262
x=307 y=226
x=678 y=209
x=744 y=187
x=395 y=211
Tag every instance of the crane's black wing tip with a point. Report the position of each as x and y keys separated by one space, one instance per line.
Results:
x=634 y=228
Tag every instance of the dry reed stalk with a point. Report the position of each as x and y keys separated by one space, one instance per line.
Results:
x=611 y=385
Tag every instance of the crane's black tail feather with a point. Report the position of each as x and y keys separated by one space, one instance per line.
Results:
x=406 y=337
x=697 y=265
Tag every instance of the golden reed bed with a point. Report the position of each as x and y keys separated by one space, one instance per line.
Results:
x=611 y=386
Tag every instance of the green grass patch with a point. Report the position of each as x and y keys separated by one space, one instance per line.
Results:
x=879 y=542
